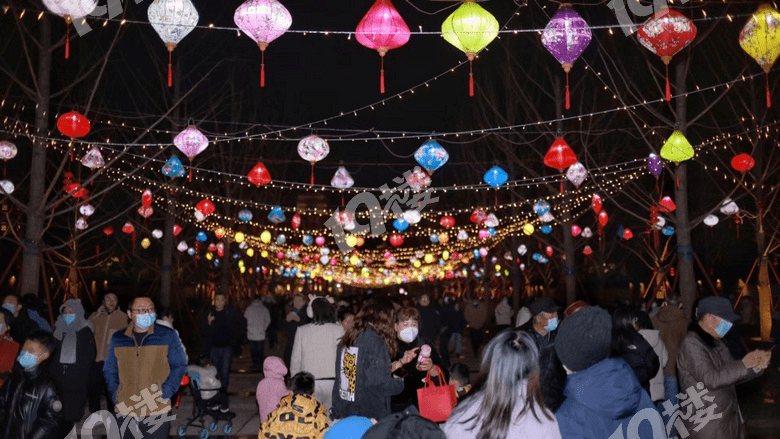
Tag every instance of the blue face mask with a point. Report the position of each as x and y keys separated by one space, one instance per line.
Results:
x=723 y=327
x=145 y=321
x=10 y=307
x=552 y=324
x=27 y=359
x=68 y=318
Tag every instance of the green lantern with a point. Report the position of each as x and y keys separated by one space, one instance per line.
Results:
x=470 y=28
x=677 y=148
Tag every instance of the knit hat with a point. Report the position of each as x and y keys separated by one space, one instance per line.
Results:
x=542 y=304
x=352 y=427
x=584 y=338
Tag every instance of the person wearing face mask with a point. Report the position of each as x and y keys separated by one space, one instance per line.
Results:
x=72 y=360
x=408 y=363
x=8 y=347
x=704 y=358
x=108 y=319
x=29 y=405
x=144 y=359
x=542 y=328
x=23 y=324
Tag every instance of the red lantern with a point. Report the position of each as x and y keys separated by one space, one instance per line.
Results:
x=603 y=218
x=176 y=230
x=596 y=203
x=447 y=221
x=108 y=230
x=128 y=228
x=478 y=216
x=666 y=33
x=76 y=191
x=743 y=162
x=73 y=124
x=628 y=234
x=667 y=205
x=587 y=251
x=396 y=240
x=560 y=156
x=296 y=221
x=549 y=250
x=382 y=29
x=146 y=198
x=205 y=208
x=145 y=211
x=259 y=175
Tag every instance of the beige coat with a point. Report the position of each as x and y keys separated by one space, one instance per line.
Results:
x=105 y=325
x=672 y=326
x=314 y=351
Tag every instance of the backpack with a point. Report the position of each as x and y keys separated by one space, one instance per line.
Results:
x=407 y=424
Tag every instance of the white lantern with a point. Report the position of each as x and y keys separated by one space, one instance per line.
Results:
x=711 y=220
x=182 y=246
x=412 y=216
x=87 y=210
x=729 y=207
x=157 y=233
x=172 y=20
x=70 y=10
x=6 y=187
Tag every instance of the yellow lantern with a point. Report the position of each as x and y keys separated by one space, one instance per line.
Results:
x=429 y=258
x=760 y=38
x=145 y=243
x=209 y=256
x=354 y=260
x=351 y=240
x=265 y=237
x=417 y=264
x=470 y=28
x=242 y=269
x=444 y=238
x=528 y=229
x=239 y=237
x=219 y=232
x=250 y=252
x=264 y=254
x=445 y=255
x=677 y=148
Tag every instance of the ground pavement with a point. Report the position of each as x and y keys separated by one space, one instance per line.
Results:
x=758 y=400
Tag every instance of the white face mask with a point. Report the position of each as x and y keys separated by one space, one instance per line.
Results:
x=409 y=334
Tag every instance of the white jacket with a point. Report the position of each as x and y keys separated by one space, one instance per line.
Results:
x=657 y=382
x=257 y=320
x=314 y=351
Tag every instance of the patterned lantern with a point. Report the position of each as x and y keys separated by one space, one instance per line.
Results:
x=6 y=187
x=259 y=175
x=382 y=29
x=470 y=28
x=566 y=36
x=203 y=209
x=73 y=124
x=191 y=142
x=431 y=155
x=560 y=156
x=70 y=10
x=173 y=168
x=93 y=159
x=677 y=148
x=666 y=33
x=87 y=210
x=447 y=221
x=145 y=211
x=495 y=177
x=576 y=174
x=296 y=221
x=655 y=165
x=743 y=162
x=263 y=21
x=7 y=152
x=418 y=179
x=313 y=149
x=245 y=215
x=276 y=215
x=760 y=38
x=341 y=179
x=172 y=20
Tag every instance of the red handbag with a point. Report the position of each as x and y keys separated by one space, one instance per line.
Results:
x=436 y=402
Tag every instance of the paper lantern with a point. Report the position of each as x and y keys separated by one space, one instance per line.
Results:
x=128 y=228
x=668 y=230
x=73 y=125
x=313 y=149
x=145 y=211
x=495 y=177
x=546 y=229
x=172 y=20
x=173 y=168
x=603 y=218
x=677 y=148
x=729 y=207
x=528 y=229
x=478 y=216
x=412 y=216
x=541 y=207
x=547 y=217
x=93 y=159
x=245 y=215
x=418 y=179
x=566 y=36
x=145 y=243
x=667 y=205
x=382 y=29
x=70 y=10
x=400 y=224
x=522 y=249
x=108 y=230
x=281 y=239
x=176 y=230
x=265 y=237
x=191 y=142
x=182 y=246
x=6 y=187
x=628 y=234
x=434 y=238
x=81 y=224
x=560 y=156
x=575 y=230
x=587 y=251
x=760 y=38
x=276 y=215
x=447 y=221
x=396 y=240
x=491 y=220
x=711 y=220
x=655 y=165
x=483 y=234
x=666 y=33
x=596 y=203
x=346 y=220
x=462 y=235
x=87 y=210
x=431 y=155
x=296 y=221
x=470 y=28
x=7 y=150
x=341 y=179
x=587 y=233
x=259 y=175
x=203 y=209
x=219 y=232
x=146 y=198
x=263 y=21
x=76 y=191
x=743 y=162
x=576 y=174
x=157 y=233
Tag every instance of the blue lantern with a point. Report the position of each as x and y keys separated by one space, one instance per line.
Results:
x=191 y=251
x=434 y=238
x=431 y=156
x=541 y=207
x=668 y=230
x=281 y=239
x=495 y=177
x=476 y=253
x=308 y=240
x=173 y=168
x=400 y=224
x=245 y=215
x=201 y=236
x=276 y=215
x=491 y=231
x=543 y=260
x=536 y=257
x=546 y=229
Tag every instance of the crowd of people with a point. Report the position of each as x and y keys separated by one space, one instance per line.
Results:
x=356 y=369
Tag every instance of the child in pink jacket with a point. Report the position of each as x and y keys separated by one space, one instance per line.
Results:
x=271 y=389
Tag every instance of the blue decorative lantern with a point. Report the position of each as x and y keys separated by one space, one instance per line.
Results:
x=191 y=251
x=495 y=177
x=434 y=238
x=491 y=232
x=276 y=215
x=400 y=224
x=431 y=156
x=173 y=168
x=541 y=207
x=201 y=236
x=245 y=215
x=476 y=253
x=668 y=230
x=281 y=239
x=536 y=257
x=308 y=240
x=546 y=229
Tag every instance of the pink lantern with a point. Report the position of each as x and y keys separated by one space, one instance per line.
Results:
x=7 y=152
x=484 y=234
x=341 y=179
x=418 y=179
x=263 y=21
x=93 y=159
x=313 y=149
x=575 y=230
x=382 y=29
x=145 y=211
x=320 y=240
x=191 y=142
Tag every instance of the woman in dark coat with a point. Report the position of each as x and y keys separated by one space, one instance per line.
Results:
x=628 y=344
x=72 y=360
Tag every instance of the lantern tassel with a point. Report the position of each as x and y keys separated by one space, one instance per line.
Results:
x=170 y=70
x=568 y=99
x=471 y=79
x=382 y=75
x=668 y=87
x=67 y=39
x=262 y=69
x=312 y=173
x=768 y=96
x=190 y=177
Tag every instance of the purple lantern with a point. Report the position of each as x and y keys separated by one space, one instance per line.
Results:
x=655 y=165
x=191 y=142
x=566 y=36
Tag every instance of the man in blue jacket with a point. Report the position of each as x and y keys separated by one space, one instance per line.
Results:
x=603 y=397
x=143 y=370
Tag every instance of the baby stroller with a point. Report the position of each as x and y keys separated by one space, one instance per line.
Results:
x=203 y=408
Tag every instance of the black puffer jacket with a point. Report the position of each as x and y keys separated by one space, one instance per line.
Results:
x=29 y=405
x=638 y=353
x=552 y=375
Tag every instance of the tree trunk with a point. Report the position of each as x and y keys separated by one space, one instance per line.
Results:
x=35 y=215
